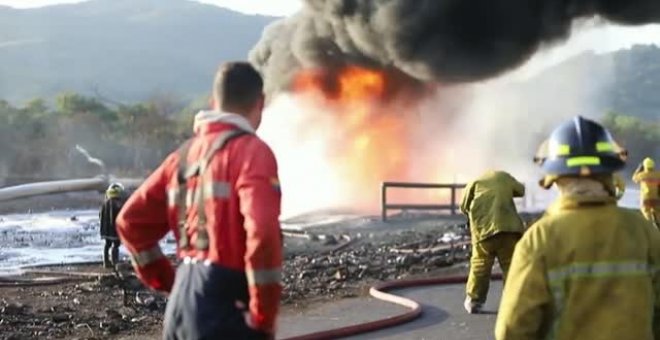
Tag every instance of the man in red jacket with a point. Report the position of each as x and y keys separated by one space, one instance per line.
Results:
x=219 y=194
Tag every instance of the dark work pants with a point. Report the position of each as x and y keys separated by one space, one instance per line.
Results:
x=202 y=305
x=111 y=251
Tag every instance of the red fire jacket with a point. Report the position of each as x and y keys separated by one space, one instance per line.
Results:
x=242 y=206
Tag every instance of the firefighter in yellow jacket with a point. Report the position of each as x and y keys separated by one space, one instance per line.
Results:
x=588 y=269
x=495 y=227
x=649 y=185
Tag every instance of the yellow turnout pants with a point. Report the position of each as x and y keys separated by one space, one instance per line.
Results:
x=652 y=214
x=484 y=253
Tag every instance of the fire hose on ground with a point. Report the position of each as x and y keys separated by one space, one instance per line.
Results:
x=379 y=292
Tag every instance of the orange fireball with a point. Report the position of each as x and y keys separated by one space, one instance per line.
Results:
x=374 y=128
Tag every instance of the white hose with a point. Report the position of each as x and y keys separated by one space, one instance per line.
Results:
x=57 y=187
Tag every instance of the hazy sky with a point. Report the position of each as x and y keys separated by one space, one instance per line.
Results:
x=269 y=7
x=603 y=38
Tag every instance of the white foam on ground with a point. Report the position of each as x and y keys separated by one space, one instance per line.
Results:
x=53 y=238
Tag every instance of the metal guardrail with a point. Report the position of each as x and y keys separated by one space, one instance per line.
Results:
x=452 y=207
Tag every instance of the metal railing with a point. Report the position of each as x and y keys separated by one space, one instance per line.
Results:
x=452 y=207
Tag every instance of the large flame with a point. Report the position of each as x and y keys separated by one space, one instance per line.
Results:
x=353 y=130
x=371 y=141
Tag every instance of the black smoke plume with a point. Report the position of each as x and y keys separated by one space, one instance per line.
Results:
x=447 y=41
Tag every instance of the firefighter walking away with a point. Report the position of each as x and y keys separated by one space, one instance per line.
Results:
x=219 y=194
x=587 y=269
x=495 y=227
x=114 y=200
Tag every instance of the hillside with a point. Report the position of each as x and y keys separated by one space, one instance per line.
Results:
x=626 y=81
x=133 y=50
x=124 y=49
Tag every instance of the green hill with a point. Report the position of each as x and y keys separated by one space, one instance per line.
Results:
x=123 y=49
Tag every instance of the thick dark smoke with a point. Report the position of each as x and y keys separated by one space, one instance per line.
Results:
x=430 y=40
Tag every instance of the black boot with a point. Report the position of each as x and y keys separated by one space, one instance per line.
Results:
x=115 y=254
x=106 y=255
x=106 y=260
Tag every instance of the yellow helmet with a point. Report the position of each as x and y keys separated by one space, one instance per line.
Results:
x=114 y=190
x=649 y=164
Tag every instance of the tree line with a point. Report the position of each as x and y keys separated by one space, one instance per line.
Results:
x=641 y=137
x=38 y=140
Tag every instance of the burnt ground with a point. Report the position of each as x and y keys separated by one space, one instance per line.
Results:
x=91 y=309
x=115 y=305
x=320 y=266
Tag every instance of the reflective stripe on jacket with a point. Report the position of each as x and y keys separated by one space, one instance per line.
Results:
x=586 y=270
x=241 y=202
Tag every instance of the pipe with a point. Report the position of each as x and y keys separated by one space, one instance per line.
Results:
x=379 y=292
x=44 y=281
x=57 y=187
x=92 y=275
x=53 y=187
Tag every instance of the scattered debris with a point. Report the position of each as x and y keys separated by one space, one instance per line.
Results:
x=329 y=264
x=345 y=271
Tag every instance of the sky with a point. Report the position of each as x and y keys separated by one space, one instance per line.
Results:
x=266 y=7
x=601 y=38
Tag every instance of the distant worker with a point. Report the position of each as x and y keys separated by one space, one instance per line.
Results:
x=495 y=227
x=219 y=194
x=114 y=199
x=587 y=269
x=649 y=185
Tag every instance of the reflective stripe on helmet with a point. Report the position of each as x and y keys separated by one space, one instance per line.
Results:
x=604 y=147
x=263 y=277
x=560 y=150
x=145 y=257
x=580 y=147
x=582 y=160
